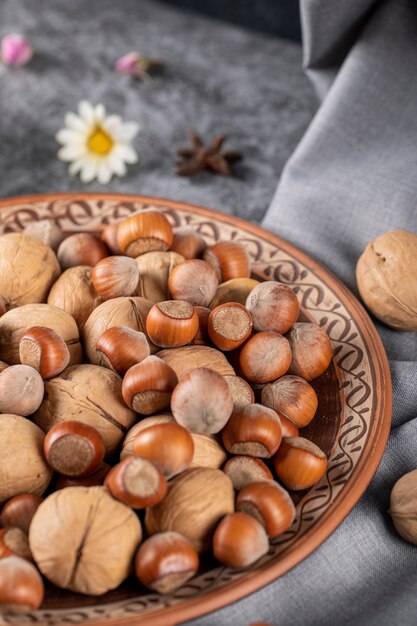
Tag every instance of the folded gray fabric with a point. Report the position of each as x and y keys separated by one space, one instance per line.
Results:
x=353 y=177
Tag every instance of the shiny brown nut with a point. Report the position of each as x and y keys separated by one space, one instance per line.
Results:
x=253 y=430
x=299 y=463
x=293 y=397
x=21 y=586
x=19 y=511
x=115 y=276
x=230 y=259
x=144 y=231
x=165 y=561
x=311 y=350
x=147 y=387
x=172 y=323
x=73 y=448
x=273 y=306
x=44 y=350
x=269 y=503
x=14 y=542
x=109 y=236
x=194 y=281
x=229 y=325
x=188 y=242
x=136 y=482
x=121 y=347
x=202 y=401
x=202 y=338
x=239 y=540
x=265 y=357
x=170 y=447
x=81 y=249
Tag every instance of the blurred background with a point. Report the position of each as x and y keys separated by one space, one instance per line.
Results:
x=233 y=67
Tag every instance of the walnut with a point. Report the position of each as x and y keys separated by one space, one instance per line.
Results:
x=124 y=311
x=15 y=322
x=386 y=274
x=23 y=468
x=90 y=394
x=184 y=359
x=83 y=540
x=27 y=269
x=154 y=269
x=74 y=292
x=403 y=506
x=195 y=503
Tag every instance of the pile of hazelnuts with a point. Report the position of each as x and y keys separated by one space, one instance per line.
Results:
x=251 y=408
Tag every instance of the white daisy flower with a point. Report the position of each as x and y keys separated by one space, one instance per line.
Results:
x=96 y=145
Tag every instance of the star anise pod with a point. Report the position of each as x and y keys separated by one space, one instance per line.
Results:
x=199 y=157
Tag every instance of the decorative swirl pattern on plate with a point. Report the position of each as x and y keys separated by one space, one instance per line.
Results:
x=320 y=303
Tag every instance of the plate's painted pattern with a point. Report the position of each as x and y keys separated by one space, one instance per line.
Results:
x=320 y=303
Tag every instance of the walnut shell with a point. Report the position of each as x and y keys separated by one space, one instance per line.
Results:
x=90 y=394
x=84 y=540
x=386 y=274
x=14 y=324
x=184 y=359
x=403 y=506
x=74 y=292
x=23 y=468
x=124 y=311
x=154 y=269
x=28 y=269
x=195 y=503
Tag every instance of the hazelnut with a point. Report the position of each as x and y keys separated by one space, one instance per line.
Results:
x=44 y=350
x=154 y=269
x=242 y=392
x=243 y=470
x=93 y=392
x=230 y=260
x=115 y=276
x=170 y=447
x=386 y=275
x=195 y=502
x=74 y=292
x=23 y=468
x=73 y=448
x=202 y=401
x=127 y=445
x=47 y=231
x=121 y=347
x=19 y=511
x=289 y=429
x=273 y=306
x=265 y=357
x=299 y=463
x=81 y=249
x=239 y=540
x=109 y=236
x=403 y=506
x=165 y=561
x=188 y=242
x=229 y=325
x=14 y=542
x=172 y=323
x=311 y=350
x=92 y=480
x=234 y=290
x=254 y=430
x=21 y=390
x=269 y=503
x=34 y=264
x=136 y=482
x=21 y=586
x=128 y=312
x=144 y=231
x=17 y=321
x=183 y=360
x=148 y=385
x=73 y=537
x=194 y=281
x=202 y=338
x=293 y=397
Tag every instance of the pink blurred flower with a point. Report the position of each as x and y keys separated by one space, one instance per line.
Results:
x=15 y=50
x=134 y=64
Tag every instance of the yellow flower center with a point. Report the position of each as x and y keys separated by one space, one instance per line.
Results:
x=100 y=142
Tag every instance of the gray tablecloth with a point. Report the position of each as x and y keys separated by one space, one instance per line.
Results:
x=353 y=176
